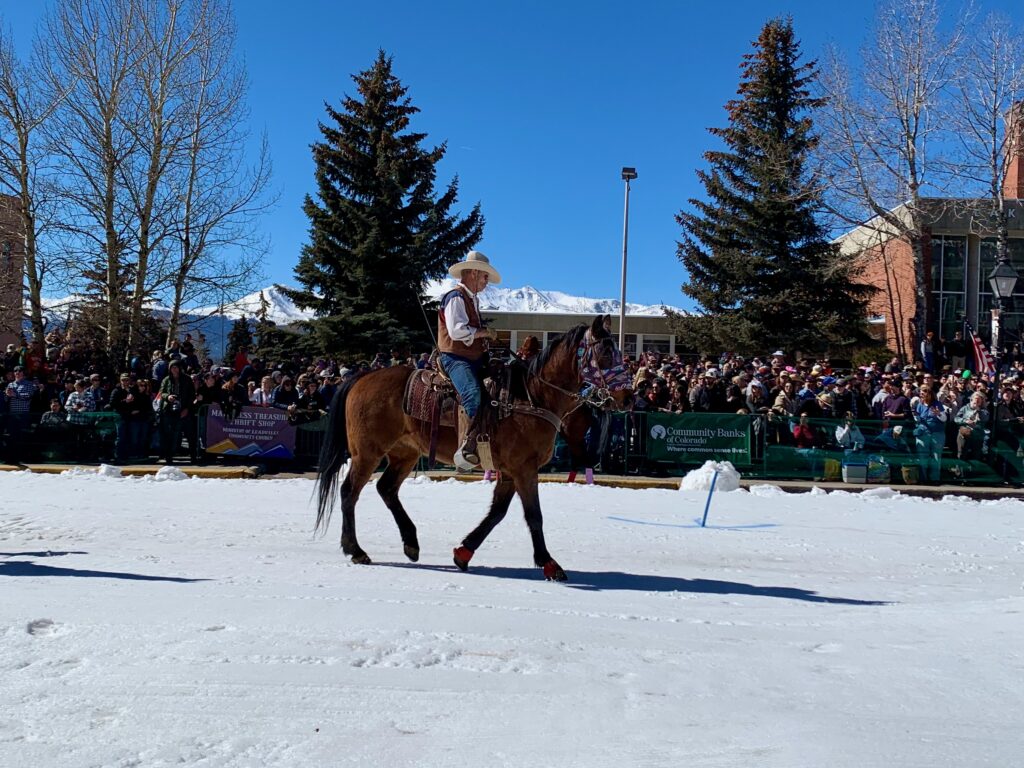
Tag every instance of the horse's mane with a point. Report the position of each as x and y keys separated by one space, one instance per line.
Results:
x=570 y=339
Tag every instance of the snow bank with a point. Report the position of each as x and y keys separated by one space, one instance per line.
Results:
x=170 y=473
x=880 y=493
x=700 y=479
x=766 y=491
x=106 y=470
x=78 y=472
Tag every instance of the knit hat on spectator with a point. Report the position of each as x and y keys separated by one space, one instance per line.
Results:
x=966 y=374
x=18 y=369
x=828 y=381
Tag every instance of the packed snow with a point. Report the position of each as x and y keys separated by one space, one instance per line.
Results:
x=199 y=622
x=702 y=478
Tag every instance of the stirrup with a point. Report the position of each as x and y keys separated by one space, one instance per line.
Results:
x=464 y=462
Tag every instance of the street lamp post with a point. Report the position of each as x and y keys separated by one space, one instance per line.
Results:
x=628 y=174
x=1002 y=280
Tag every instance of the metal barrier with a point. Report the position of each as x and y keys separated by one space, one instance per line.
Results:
x=640 y=443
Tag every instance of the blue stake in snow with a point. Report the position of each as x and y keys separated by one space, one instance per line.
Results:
x=708 y=505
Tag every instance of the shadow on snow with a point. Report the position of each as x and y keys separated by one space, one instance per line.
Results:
x=600 y=581
x=28 y=568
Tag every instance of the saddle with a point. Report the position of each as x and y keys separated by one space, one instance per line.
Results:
x=430 y=395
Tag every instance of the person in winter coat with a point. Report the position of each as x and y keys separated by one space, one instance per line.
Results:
x=177 y=398
x=284 y=396
x=971 y=421
x=233 y=397
x=930 y=432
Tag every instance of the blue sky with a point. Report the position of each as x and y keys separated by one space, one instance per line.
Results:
x=541 y=104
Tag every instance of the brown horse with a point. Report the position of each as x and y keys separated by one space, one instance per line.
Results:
x=367 y=423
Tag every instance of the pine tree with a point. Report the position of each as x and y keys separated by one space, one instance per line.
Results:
x=239 y=336
x=761 y=266
x=377 y=229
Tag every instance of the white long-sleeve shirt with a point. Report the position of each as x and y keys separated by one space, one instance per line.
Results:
x=457 y=320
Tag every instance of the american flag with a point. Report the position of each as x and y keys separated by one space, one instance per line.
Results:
x=983 y=362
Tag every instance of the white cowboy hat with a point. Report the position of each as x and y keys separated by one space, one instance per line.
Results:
x=475 y=260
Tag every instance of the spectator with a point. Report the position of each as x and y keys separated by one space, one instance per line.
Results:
x=529 y=349
x=233 y=395
x=54 y=418
x=930 y=433
x=848 y=434
x=971 y=420
x=928 y=351
x=241 y=359
x=263 y=397
x=177 y=396
x=284 y=395
x=134 y=410
x=19 y=395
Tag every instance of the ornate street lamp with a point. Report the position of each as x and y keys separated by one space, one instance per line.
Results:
x=1002 y=280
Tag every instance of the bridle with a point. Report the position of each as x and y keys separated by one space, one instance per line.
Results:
x=599 y=382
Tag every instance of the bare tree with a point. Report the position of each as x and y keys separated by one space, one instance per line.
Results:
x=90 y=50
x=989 y=119
x=217 y=247
x=25 y=104
x=169 y=37
x=882 y=134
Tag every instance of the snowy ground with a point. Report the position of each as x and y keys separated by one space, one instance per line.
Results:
x=147 y=623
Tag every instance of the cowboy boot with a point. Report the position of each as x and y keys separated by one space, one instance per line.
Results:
x=466 y=458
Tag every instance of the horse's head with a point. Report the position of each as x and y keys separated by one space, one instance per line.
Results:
x=601 y=363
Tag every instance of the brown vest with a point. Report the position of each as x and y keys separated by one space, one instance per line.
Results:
x=445 y=343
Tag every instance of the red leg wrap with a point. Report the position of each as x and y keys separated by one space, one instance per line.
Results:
x=550 y=568
x=462 y=556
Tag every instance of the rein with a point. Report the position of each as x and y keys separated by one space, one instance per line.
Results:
x=602 y=381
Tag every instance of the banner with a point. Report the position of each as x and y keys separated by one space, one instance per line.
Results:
x=696 y=438
x=263 y=433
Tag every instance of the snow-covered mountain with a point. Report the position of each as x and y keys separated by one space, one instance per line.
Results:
x=282 y=311
x=215 y=323
x=530 y=299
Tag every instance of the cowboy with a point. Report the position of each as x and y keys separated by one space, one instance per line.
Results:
x=461 y=340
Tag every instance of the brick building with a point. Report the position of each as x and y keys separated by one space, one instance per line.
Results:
x=12 y=271
x=959 y=253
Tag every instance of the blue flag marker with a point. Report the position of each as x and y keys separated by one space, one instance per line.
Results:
x=708 y=505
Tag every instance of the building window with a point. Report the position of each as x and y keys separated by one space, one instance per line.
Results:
x=654 y=343
x=949 y=282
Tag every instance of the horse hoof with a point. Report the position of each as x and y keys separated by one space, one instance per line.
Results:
x=413 y=553
x=461 y=556
x=362 y=559
x=553 y=572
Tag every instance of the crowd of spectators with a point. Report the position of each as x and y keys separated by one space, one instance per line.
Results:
x=924 y=408
x=929 y=406
x=158 y=395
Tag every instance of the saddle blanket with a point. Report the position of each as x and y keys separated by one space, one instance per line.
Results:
x=424 y=391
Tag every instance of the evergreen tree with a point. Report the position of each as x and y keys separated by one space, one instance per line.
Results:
x=761 y=266
x=239 y=336
x=377 y=229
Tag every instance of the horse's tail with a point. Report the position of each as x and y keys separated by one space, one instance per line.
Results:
x=333 y=454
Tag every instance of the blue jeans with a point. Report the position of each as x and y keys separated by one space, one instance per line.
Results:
x=463 y=374
x=930 y=444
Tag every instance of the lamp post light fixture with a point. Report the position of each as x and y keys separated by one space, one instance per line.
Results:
x=1002 y=280
x=628 y=174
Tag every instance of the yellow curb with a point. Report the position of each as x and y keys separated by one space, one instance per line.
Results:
x=10 y=468
x=138 y=470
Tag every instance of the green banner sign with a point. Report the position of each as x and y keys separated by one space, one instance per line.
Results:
x=695 y=438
